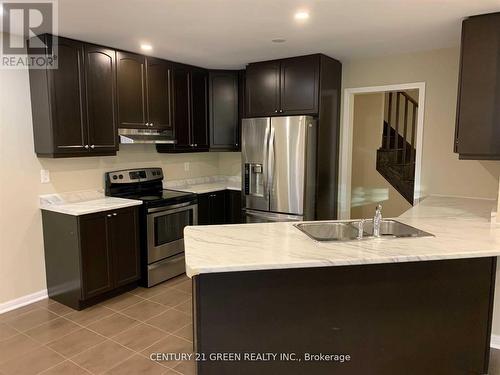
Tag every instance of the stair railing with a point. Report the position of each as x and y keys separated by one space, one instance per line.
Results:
x=410 y=106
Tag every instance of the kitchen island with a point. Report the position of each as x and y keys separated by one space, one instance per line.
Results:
x=375 y=306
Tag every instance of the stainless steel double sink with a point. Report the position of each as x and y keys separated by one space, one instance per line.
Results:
x=349 y=230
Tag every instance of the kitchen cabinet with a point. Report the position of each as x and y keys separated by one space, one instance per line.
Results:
x=233 y=207
x=199 y=108
x=283 y=87
x=211 y=208
x=144 y=92
x=131 y=78
x=100 y=82
x=224 y=105
x=91 y=257
x=73 y=106
x=262 y=89
x=159 y=92
x=477 y=134
x=190 y=110
x=219 y=207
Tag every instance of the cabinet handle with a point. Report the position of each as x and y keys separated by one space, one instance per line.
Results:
x=196 y=145
x=147 y=124
x=275 y=111
x=281 y=111
x=151 y=124
x=86 y=147
x=93 y=146
x=108 y=215
x=114 y=214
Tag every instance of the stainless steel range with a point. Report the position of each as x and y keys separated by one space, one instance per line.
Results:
x=164 y=215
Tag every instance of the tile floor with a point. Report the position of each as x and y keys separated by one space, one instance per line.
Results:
x=114 y=337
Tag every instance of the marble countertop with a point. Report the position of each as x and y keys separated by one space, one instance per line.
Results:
x=203 y=185
x=462 y=229
x=83 y=202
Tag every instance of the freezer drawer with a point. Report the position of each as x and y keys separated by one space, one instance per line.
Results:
x=268 y=217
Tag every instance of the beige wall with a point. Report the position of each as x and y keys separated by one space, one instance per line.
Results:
x=22 y=268
x=230 y=163
x=368 y=187
x=442 y=172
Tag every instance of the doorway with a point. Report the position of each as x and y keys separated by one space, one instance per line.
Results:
x=381 y=149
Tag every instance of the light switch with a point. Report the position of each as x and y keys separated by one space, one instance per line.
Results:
x=186 y=166
x=44 y=176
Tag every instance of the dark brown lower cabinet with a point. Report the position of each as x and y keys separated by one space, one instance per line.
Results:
x=414 y=318
x=219 y=207
x=91 y=257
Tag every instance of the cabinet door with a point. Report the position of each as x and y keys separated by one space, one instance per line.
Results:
x=159 y=77
x=204 y=209
x=218 y=208
x=299 y=85
x=124 y=242
x=223 y=100
x=96 y=257
x=67 y=88
x=131 y=90
x=182 y=106
x=262 y=89
x=199 y=109
x=100 y=77
x=478 y=111
x=233 y=207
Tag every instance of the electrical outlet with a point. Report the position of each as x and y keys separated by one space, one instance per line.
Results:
x=186 y=166
x=44 y=176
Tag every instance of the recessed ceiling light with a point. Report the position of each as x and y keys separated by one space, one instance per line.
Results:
x=301 y=15
x=146 y=47
x=278 y=40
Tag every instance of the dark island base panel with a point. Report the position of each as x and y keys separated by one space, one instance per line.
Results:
x=430 y=317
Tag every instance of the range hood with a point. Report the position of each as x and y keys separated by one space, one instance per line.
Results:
x=145 y=136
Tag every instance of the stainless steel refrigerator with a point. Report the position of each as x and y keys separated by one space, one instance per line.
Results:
x=278 y=168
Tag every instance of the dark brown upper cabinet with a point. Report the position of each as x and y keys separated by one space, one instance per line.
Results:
x=223 y=109
x=144 y=92
x=283 y=87
x=477 y=134
x=159 y=92
x=199 y=108
x=131 y=78
x=190 y=110
x=72 y=113
x=100 y=72
x=262 y=94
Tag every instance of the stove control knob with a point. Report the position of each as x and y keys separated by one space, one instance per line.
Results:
x=115 y=177
x=120 y=177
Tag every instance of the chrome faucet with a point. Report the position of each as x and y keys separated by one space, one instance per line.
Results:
x=377 y=220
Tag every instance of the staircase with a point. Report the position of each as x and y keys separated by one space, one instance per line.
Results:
x=396 y=156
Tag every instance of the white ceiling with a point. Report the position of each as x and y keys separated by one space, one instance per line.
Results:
x=231 y=33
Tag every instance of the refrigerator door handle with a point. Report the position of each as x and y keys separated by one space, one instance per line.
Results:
x=270 y=162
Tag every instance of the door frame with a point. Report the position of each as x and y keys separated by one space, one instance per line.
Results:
x=346 y=141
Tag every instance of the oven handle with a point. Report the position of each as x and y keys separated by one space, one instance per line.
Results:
x=170 y=207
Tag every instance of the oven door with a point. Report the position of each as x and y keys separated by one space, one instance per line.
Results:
x=166 y=229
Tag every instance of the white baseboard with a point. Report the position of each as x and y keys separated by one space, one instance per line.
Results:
x=22 y=301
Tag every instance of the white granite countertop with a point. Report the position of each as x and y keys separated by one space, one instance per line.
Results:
x=83 y=202
x=461 y=227
x=203 y=185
